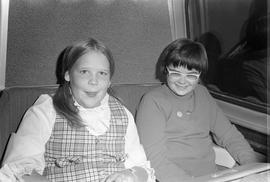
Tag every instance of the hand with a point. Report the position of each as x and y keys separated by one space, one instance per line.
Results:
x=121 y=176
x=34 y=177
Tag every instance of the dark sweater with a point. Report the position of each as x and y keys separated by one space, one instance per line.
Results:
x=175 y=131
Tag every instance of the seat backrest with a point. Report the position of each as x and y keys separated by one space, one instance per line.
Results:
x=14 y=102
x=131 y=94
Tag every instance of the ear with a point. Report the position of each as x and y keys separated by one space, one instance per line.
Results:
x=67 y=76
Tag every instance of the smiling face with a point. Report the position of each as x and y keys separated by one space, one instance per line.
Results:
x=182 y=80
x=89 y=79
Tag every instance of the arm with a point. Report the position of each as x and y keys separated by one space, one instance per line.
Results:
x=137 y=167
x=136 y=154
x=26 y=148
x=35 y=177
x=151 y=123
x=229 y=137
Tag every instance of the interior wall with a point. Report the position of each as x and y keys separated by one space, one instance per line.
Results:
x=135 y=30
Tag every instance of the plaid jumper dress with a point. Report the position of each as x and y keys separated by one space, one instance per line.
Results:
x=73 y=154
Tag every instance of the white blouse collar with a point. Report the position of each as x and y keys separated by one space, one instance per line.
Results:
x=97 y=120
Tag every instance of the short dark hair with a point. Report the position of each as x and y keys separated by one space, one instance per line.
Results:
x=183 y=52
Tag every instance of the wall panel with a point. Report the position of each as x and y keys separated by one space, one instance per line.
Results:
x=135 y=30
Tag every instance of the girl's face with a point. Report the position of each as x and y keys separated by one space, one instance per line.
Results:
x=182 y=80
x=89 y=79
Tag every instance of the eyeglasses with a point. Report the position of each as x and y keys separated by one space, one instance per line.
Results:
x=188 y=76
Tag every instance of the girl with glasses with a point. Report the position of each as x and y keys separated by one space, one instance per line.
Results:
x=176 y=121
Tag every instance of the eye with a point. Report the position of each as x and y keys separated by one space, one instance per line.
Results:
x=84 y=72
x=192 y=76
x=103 y=73
x=175 y=74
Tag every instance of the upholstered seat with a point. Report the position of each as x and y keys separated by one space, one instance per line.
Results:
x=15 y=101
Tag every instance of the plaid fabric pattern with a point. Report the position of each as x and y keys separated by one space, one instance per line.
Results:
x=73 y=154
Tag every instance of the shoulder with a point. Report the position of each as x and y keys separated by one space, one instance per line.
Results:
x=41 y=112
x=157 y=93
x=44 y=104
x=43 y=101
x=203 y=95
x=119 y=104
x=201 y=90
x=160 y=97
x=116 y=103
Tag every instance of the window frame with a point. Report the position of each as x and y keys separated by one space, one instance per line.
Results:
x=4 y=5
x=178 y=18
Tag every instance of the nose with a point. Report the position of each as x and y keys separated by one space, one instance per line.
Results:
x=93 y=79
x=181 y=79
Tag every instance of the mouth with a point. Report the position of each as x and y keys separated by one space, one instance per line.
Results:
x=91 y=94
x=182 y=87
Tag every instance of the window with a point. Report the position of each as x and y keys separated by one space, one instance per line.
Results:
x=234 y=33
